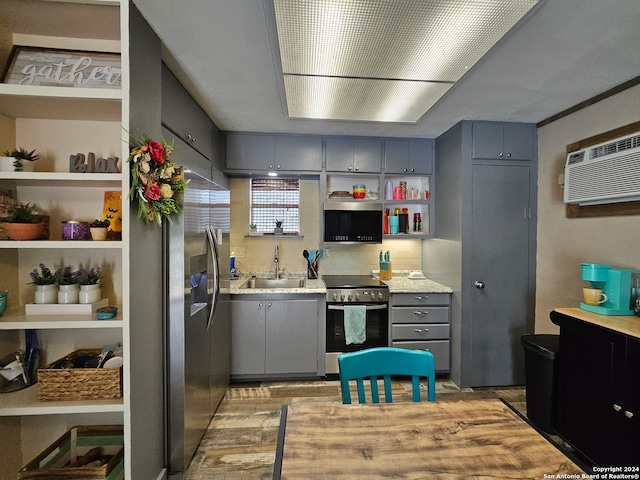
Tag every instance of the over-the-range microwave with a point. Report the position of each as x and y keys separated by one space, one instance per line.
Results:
x=352 y=222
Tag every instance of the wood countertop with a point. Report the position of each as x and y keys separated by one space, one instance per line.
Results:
x=478 y=439
x=627 y=324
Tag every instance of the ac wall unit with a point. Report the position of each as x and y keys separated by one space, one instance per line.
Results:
x=605 y=173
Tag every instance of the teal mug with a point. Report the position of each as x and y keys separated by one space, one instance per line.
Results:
x=3 y=302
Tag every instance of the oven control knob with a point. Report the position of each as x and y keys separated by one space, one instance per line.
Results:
x=349 y=298
x=342 y=297
x=380 y=295
x=335 y=297
x=357 y=297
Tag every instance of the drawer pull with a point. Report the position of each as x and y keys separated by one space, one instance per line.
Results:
x=426 y=297
x=421 y=330
x=628 y=414
x=617 y=407
x=418 y=312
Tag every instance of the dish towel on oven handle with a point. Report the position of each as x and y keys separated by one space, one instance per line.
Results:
x=355 y=324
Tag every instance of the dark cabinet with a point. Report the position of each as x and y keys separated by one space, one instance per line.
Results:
x=409 y=156
x=503 y=141
x=598 y=392
x=353 y=154
x=184 y=118
x=264 y=152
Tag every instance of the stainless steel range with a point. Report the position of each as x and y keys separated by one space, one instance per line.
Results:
x=355 y=290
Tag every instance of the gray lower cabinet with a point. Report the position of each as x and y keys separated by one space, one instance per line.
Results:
x=420 y=321
x=274 y=337
x=257 y=152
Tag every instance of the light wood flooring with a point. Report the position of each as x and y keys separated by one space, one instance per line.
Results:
x=240 y=442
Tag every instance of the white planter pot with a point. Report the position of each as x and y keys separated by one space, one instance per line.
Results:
x=7 y=165
x=69 y=293
x=89 y=293
x=46 y=294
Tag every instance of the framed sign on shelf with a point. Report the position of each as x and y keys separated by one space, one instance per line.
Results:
x=62 y=68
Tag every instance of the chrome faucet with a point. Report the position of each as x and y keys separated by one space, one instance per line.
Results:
x=276 y=259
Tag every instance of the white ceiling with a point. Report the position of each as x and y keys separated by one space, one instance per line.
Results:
x=565 y=52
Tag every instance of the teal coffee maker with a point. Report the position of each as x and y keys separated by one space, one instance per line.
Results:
x=615 y=283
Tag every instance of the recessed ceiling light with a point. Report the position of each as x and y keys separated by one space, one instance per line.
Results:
x=383 y=61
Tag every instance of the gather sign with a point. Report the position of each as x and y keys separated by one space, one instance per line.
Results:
x=68 y=68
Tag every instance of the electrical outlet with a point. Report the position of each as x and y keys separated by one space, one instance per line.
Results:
x=239 y=252
x=327 y=252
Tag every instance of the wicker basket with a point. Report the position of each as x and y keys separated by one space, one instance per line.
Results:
x=79 y=383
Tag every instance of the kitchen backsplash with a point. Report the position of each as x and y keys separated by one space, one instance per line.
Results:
x=343 y=259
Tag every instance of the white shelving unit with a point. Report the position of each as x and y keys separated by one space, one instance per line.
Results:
x=59 y=122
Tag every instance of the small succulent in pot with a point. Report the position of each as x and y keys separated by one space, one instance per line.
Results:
x=21 y=155
x=279 y=223
x=99 y=223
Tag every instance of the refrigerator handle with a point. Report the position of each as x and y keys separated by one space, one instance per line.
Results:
x=213 y=250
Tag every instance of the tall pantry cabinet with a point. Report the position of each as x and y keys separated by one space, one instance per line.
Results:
x=58 y=122
x=486 y=246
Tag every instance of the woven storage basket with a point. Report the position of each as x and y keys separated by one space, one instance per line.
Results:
x=79 y=383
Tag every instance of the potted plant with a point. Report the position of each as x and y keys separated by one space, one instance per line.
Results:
x=23 y=222
x=68 y=288
x=45 y=283
x=89 y=284
x=13 y=160
x=253 y=228
x=99 y=229
x=278 y=230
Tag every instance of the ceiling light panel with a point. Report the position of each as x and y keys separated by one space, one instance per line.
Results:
x=394 y=39
x=359 y=99
x=383 y=60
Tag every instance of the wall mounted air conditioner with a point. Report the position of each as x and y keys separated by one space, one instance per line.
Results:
x=605 y=173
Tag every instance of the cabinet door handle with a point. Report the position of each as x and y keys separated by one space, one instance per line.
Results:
x=421 y=330
x=278 y=167
x=479 y=285
x=426 y=297
x=509 y=154
x=501 y=154
x=349 y=168
x=269 y=304
x=404 y=170
x=357 y=168
x=617 y=407
x=260 y=304
x=418 y=312
x=628 y=414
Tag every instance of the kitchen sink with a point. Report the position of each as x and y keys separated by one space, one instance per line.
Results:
x=274 y=283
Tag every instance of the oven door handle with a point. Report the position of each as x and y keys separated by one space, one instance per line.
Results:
x=368 y=307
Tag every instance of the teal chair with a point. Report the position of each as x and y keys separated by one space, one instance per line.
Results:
x=385 y=362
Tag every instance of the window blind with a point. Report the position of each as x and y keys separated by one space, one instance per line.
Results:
x=275 y=199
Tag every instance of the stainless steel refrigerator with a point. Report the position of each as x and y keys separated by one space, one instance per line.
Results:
x=197 y=314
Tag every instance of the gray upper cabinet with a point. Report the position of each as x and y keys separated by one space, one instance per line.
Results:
x=353 y=154
x=264 y=152
x=409 y=156
x=503 y=141
x=184 y=117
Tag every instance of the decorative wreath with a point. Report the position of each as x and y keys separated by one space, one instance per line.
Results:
x=157 y=183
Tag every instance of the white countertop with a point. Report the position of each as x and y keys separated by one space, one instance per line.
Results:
x=398 y=284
